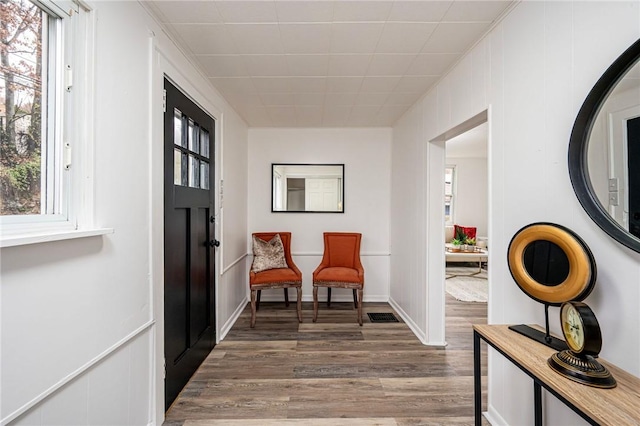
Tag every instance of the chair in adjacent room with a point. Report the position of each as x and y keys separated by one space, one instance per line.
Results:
x=273 y=268
x=340 y=268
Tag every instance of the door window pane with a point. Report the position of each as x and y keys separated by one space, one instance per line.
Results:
x=180 y=168
x=204 y=143
x=177 y=127
x=177 y=167
x=204 y=175
x=194 y=172
x=194 y=136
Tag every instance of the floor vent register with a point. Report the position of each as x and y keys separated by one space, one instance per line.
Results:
x=382 y=317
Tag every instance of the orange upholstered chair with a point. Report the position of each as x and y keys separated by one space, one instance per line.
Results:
x=276 y=278
x=340 y=268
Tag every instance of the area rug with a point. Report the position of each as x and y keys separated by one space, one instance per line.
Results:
x=466 y=285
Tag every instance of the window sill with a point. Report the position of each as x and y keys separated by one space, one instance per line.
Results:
x=45 y=237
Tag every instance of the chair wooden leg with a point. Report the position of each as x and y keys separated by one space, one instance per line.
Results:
x=299 y=304
x=355 y=299
x=360 y=292
x=258 y=302
x=286 y=297
x=328 y=296
x=253 y=307
x=315 y=304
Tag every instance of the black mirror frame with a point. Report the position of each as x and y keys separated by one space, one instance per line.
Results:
x=307 y=164
x=579 y=142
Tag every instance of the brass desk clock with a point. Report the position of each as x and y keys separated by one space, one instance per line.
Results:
x=584 y=339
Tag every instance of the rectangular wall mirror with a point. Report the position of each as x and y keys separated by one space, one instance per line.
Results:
x=309 y=188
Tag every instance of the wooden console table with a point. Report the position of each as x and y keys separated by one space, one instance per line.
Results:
x=618 y=406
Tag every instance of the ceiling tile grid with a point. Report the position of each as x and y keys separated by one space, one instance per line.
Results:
x=308 y=63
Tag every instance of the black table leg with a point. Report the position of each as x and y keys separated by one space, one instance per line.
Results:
x=477 y=388
x=537 y=402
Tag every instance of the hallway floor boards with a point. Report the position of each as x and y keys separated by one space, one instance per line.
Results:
x=334 y=372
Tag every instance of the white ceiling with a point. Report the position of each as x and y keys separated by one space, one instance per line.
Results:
x=325 y=63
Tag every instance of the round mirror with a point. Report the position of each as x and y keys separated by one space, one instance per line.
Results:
x=604 y=150
x=551 y=264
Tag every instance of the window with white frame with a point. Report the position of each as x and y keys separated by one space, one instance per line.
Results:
x=449 y=185
x=41 y=45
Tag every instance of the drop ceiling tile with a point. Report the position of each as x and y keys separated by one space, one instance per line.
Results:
x=243 y=101
x=335 y=116
x=277 y=99
x=204 y=38
x=308 y=84
x=344 y=84
x=352 y=11
x=389 y=114
x=234 y=84
x=475 y=11
x=364 y=110
x=258 y=117
x=309 y=116
x=419 y=11
x=304 y=11
x=415 y=84
x=307 y=99
x=266 y=65
x=340 y=99
x=269 y=58
x=188 y=12
x=247 y=11
x=432 y=63
x=406 y=99
x=406 y=37
x=272 y=84
x=384 y=64
x=348 y=65
x=308 y=65
x=306 y=38
x=454 y=37
x=355 y=37
x=364 y=115
x=256 y=38
x=222 y=65
x=379 y=84
x=372 y=98
x=282 y=116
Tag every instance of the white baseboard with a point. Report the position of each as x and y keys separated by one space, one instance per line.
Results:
x=224 y=330
x=412 y=325
x=493 y=417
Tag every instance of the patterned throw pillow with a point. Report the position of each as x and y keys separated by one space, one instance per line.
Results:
x=268 y=254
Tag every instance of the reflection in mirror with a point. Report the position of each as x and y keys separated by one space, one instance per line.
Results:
x=307 y=188
x=614 y=153
x=604 y=150
x=546 y=262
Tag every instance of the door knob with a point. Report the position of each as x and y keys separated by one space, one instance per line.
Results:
x=214 y=243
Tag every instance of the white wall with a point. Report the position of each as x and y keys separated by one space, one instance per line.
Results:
x=366 y=156
x=470 y=205
x=82 y=319
x=533 y=72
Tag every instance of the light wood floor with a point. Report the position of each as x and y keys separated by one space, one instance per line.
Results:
x=334 y=372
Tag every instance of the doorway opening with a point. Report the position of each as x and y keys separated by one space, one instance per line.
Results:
x=466 y=225
x=462 y=204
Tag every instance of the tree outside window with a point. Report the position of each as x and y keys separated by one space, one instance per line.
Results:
x=22 y=31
